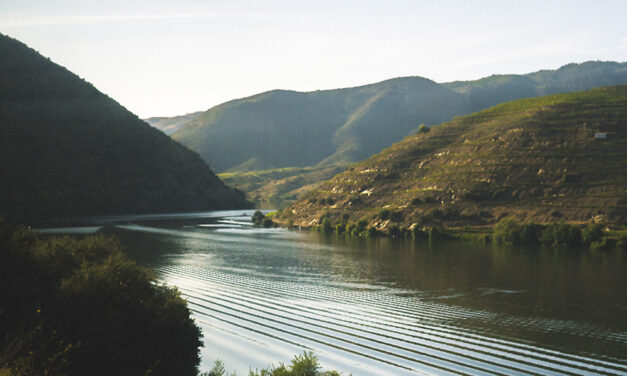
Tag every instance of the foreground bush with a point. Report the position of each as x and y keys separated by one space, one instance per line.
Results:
x=80 y=307
x=306 y=364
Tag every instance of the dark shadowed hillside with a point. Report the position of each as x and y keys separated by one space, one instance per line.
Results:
x=559 y=157
x=254 y=139
x=68 y=150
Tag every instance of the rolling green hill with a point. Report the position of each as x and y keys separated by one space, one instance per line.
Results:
x=316 y=132
x=68 y=150
x=538 y=159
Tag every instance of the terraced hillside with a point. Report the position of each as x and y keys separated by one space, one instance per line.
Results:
x=304 y=137
x=539 y=159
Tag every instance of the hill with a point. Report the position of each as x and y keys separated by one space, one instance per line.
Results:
x=169 y=125
x=292 y=129
x=496 y=89
x=538 y=159
x=66 y=149
x=317 y=132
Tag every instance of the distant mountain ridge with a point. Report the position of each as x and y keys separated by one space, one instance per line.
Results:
x=334 y=128
x=293 y=129
x=552 y=158
x=169 y=125
x=66 y=149
x=495 y=89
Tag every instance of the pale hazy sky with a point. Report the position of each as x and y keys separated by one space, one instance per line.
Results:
x=166 y=57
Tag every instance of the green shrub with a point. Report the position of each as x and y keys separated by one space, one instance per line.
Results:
x=530 y=233
x=75 y=306
x=267 y=223
x=591 y=233
x=271 y=214
x=435 y=213
x=258 y=217
x=436 y=233
x=417 y=233
x=507 y=231
x=326 y=227
x=423 y=128
x=450 y=212
x=605 y=244
x=556 y=214
x=350 y=226
x=384 y=214
x=306 y=364
x=475 y=237
x=359 y=229
x=561 y=235
x=340 y=228
x=394 y=231
x=396 y=216
x=621 y=244
x=510 y=231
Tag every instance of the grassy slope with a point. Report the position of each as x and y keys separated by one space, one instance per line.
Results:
x=535 y=158
x=67 y=150
x=318 y=130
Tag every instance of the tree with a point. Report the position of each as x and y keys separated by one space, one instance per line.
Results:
x=258 y=217
x=81 y=307
x=423 y=128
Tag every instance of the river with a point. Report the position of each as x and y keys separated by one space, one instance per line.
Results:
x=384 y=306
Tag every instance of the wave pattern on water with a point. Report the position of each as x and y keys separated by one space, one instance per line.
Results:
x=396 y=334
x=263 y=295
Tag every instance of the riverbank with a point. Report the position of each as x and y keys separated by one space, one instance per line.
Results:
x=508 y=230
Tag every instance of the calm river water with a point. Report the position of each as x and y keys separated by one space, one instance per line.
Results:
x=383 y=306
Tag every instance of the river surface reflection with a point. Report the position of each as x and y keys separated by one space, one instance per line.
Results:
x=384 y=306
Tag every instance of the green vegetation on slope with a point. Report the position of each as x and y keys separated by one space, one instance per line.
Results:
x=333 y=128
x=80 y=307
x=68 y=150
x=536 y=159
x=277 y=186
x=292 y=129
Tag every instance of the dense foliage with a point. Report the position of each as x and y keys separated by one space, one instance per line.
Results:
x=260 y=219
x=68 y=150
x=554 y=235
x=80 y=307
x=306 y=364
